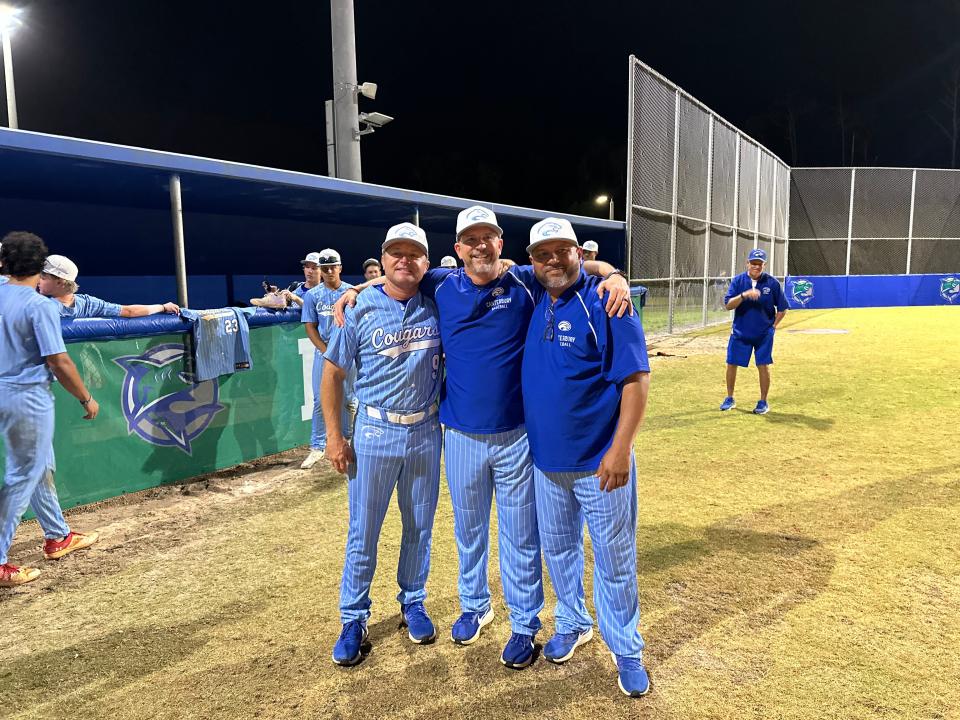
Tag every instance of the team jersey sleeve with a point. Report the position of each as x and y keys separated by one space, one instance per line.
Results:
x=46 y=327
x=624 y=350
x=432 y=279
x=309 y=311
x=527 y=278
x=95 y=307
x=734 y=289
x=342 y=348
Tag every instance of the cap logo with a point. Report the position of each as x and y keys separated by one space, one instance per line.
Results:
x=549 y=229
x=478 y=214
x=407 y=233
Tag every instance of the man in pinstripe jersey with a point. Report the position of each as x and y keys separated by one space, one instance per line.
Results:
x=483 y=320
x=393 y=337
x=585 y=383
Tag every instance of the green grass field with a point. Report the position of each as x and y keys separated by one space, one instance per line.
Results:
x=804 y=564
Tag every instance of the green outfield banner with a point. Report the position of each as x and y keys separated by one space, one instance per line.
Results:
x=155 y=427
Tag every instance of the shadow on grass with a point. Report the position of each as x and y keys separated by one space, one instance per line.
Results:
x=90 y=669
x=781 y=418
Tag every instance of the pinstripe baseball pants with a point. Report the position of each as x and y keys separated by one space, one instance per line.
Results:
x=564 y=501
x=318 y=429
x=405 y=457
x=480 y=466
x=26 y=425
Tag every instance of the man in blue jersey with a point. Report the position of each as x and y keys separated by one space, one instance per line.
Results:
x=759 y=305
x=585 y=383
x=483 y=320
x=317 y=319
x=311 y=278
x=59 y=281
x=392 y=335
x=31 y=353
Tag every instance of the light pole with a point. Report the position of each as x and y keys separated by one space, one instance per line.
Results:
x=602 y=200
x=9 y=19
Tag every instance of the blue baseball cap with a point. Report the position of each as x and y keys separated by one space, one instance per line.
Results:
x=757 y=254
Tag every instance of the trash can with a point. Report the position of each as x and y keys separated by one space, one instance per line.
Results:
x=638 y=294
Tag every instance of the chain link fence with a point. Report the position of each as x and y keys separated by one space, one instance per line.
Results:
x=701 y=195
x=874 y=221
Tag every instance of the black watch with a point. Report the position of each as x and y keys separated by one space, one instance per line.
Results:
x=616 y=271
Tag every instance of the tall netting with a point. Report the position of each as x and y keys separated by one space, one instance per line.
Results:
x=874 y=221
x=701 y=195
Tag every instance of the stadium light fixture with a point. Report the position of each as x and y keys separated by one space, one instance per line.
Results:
x=604 y=200
x=368 y=90
x=9 y=21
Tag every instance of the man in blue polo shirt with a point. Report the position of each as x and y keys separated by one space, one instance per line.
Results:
x=393 y=338
x=585 y=382
x=759 y=305
x=483 y=320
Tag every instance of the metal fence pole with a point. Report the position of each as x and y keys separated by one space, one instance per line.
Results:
x=756 y=203
x=786 y=228
x=671 y=303
x=773 y=221
x=736 y=210
x=853 y=182
x=913 y=200
x=179 y=253
x=709 y=217
x=628 y=240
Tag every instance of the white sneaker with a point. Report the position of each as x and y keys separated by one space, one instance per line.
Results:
x=312 y=459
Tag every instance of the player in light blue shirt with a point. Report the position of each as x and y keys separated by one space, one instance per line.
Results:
x=31 y=353
x=317 y=319
x=59 y=281
x=392 y=336
x=311 y=279
x=585 y=383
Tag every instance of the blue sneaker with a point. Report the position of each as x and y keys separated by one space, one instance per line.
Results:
x=762 y=408
x=728 y=403
x=421 y=630
x=347 y=650
x=561 y=646
x=518 y=652
x=633 y=679
x=466 y=629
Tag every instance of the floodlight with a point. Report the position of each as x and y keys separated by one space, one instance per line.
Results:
x=9 y=18
x=375 y=119
x=602 y=199
x=368 y=90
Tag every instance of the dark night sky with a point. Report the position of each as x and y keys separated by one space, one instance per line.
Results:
x=515 y=102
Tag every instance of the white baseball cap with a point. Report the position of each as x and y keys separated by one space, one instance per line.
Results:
x=328 y=256
x=477 y=215
x=448 y=261
x=551 y=229
x=591 y=246
x=313 y=257
x=406 y=232
x=61 y=267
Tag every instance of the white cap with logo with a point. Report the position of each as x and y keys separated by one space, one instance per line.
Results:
x=61 y=267
x=405 y=232
x=313 y=257
x=329 y=256
x=477 y=215
x=551 y=229
x=591 y=246
x=448 y=261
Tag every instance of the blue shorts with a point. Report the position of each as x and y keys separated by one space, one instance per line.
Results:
x=739 y=350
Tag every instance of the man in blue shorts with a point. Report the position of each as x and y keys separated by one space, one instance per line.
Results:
x=392 y=335
x=317 y=319
x=31 y=354
x=483 y=319
x=759 y=305
x=59 y=281
x=585 y=382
